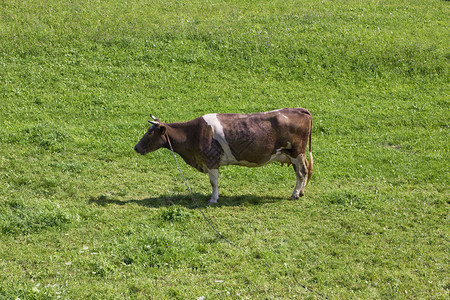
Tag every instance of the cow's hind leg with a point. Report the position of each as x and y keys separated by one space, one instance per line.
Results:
x=301 y=172
x=214 y=180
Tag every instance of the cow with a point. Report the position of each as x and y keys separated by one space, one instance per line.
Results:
x=250 y=140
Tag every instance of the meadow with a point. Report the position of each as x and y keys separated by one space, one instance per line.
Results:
x=83 y=216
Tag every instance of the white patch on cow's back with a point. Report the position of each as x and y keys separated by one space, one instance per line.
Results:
x=272 y=111
x=219 y=135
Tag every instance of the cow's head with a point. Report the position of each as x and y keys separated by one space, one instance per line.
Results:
x=153 y=139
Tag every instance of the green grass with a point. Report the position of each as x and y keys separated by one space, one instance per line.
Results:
x=83 y=216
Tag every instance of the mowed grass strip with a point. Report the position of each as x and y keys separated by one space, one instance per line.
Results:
x=82 y=215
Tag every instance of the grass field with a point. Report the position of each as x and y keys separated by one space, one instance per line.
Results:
x=83 y=216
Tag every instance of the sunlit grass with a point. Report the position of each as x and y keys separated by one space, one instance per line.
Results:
x=82 y=215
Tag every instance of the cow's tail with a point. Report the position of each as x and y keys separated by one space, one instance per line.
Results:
x=310 y=164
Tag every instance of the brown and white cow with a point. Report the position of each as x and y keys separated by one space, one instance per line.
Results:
x=250 y=140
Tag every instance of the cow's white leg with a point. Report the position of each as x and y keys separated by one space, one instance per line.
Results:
x=214 y=180
x=301 y=172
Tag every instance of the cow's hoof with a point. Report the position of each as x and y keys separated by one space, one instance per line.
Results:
x=211 y=202
x=296 y=197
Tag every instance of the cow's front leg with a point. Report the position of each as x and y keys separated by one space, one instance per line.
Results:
x=301 y=173
x=214 y=180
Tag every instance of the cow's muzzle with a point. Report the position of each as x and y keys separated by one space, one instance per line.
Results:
x=140 y=151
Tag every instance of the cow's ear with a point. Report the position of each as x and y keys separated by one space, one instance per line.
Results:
x=163 y=129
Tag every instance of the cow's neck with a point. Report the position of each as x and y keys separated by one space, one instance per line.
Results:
x=178 y=135
x=181 y=137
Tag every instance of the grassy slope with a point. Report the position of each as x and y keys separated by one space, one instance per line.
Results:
x=81 y=215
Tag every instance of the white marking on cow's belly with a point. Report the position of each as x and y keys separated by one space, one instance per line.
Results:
x=281 y=157
x=218 y=134
x=277 y=156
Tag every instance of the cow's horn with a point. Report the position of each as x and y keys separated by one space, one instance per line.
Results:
x=153 y=122
x=153 y=117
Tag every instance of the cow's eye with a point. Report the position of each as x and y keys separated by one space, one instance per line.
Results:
x=150 y=133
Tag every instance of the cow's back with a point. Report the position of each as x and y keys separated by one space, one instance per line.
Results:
x=252 y=139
